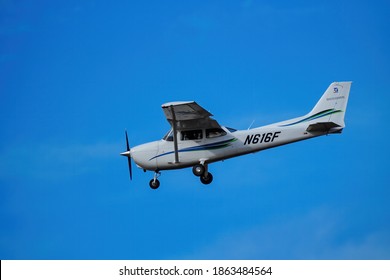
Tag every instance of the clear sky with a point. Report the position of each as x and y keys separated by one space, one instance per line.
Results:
x=75 y=74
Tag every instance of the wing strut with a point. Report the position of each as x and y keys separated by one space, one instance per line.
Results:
x=174 y=134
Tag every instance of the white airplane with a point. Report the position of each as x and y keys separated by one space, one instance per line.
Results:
x=196 y=140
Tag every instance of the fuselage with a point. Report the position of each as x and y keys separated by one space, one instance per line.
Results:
x=159 y=155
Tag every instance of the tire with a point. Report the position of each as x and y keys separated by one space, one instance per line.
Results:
x=198 y=170
x=206 y=180
x=154 y=184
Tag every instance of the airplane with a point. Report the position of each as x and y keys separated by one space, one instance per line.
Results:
x=196 y=140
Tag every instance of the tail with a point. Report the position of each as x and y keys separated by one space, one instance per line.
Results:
x=328 y=114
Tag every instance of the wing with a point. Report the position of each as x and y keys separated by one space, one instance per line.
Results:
x=188 y=115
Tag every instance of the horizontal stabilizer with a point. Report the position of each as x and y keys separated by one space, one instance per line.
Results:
x=329 y=127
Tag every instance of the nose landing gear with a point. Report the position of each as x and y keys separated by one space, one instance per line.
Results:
x=155 y=183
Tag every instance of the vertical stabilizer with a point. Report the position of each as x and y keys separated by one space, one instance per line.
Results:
x=333 y=104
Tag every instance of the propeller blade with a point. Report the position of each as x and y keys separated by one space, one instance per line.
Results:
x=130 y=171
x=127 y=142
x=128 y=155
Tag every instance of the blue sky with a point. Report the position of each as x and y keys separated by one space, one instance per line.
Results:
x=75 y=74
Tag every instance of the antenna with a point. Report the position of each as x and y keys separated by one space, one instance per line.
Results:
x=251 y=124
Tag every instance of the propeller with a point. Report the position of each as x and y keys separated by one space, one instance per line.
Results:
x=128 y=155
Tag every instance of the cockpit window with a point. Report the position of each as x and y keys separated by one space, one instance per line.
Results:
x=192 y=135
x=169 y=136
x=231 y=129
x=215 y=132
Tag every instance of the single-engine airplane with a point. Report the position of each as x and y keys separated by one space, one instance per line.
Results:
x=196 y=140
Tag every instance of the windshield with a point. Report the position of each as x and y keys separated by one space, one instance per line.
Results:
x=169 y=136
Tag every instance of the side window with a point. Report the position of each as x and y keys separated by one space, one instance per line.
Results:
x=214 y=132
x=192 y=135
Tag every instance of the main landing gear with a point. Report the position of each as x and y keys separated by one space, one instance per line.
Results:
x=200 y=170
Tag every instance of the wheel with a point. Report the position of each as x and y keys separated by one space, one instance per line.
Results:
x=154 y=184
x=206 y=180
x=198 y=170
